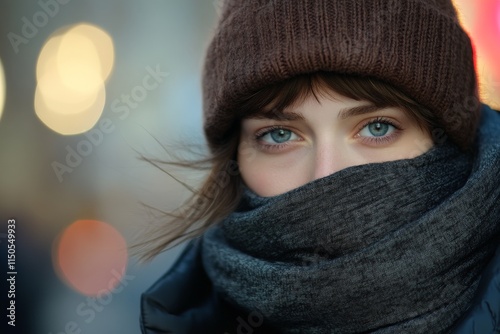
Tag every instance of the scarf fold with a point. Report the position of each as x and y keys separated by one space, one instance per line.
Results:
x=387 y=247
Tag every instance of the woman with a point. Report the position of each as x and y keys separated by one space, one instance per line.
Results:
x=354 y=181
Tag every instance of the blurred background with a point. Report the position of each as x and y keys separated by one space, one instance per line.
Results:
x=84 y=86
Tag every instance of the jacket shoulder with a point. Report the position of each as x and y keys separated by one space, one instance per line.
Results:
x=181 y=300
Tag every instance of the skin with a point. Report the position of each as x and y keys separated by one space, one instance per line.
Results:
x=281 y=151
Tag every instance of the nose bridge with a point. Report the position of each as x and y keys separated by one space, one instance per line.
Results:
x=327 y=160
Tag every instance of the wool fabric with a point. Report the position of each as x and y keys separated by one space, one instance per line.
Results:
x=417 y=46
x=393 y=247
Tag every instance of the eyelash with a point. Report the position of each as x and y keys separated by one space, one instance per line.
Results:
x=365 y=140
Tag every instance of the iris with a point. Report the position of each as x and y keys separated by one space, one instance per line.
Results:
x=281 y=135
x=378 y=129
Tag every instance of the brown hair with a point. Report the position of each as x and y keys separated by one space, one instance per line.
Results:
x=220 y=193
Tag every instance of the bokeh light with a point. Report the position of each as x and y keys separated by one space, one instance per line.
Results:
x=95 y=41
x=482 y=21
x=52 y=113
x=2 y=89
x=85 y=57
x=72 y=69
x=498 y=16
x=91 y=256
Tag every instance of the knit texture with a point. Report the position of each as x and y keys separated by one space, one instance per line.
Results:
x=393 y=247
x=416 y=45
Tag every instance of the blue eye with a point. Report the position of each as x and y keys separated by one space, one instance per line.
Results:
x=278 y=136
x=281 y=135
x=377 y=129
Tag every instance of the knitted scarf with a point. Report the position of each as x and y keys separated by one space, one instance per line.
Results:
x=393 y=247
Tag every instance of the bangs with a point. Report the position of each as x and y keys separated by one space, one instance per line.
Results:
x=278 y=97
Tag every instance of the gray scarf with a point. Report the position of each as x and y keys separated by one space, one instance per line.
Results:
x=394 y=247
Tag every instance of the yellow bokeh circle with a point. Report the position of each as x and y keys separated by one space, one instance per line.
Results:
x=72 y=69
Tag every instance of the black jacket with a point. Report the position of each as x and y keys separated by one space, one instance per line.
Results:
x=183 y=302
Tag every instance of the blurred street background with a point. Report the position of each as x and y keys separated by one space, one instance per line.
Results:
x=84 y=86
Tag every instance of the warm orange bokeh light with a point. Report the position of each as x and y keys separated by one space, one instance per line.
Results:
x=91 y=256
x=481 y=20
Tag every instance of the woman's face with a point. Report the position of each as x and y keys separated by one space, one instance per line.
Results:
x=280 y=151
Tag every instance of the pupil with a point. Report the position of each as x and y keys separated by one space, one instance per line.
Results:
x=378 y=129
x=281 y=135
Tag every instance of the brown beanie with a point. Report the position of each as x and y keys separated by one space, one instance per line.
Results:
x=417 y=46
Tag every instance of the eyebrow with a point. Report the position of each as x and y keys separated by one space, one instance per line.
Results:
x=359 y=110
x=279 y=115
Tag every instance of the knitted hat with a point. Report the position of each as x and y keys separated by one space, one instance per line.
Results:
x=417 y=46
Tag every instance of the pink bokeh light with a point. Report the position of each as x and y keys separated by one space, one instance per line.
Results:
x=91 y=256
